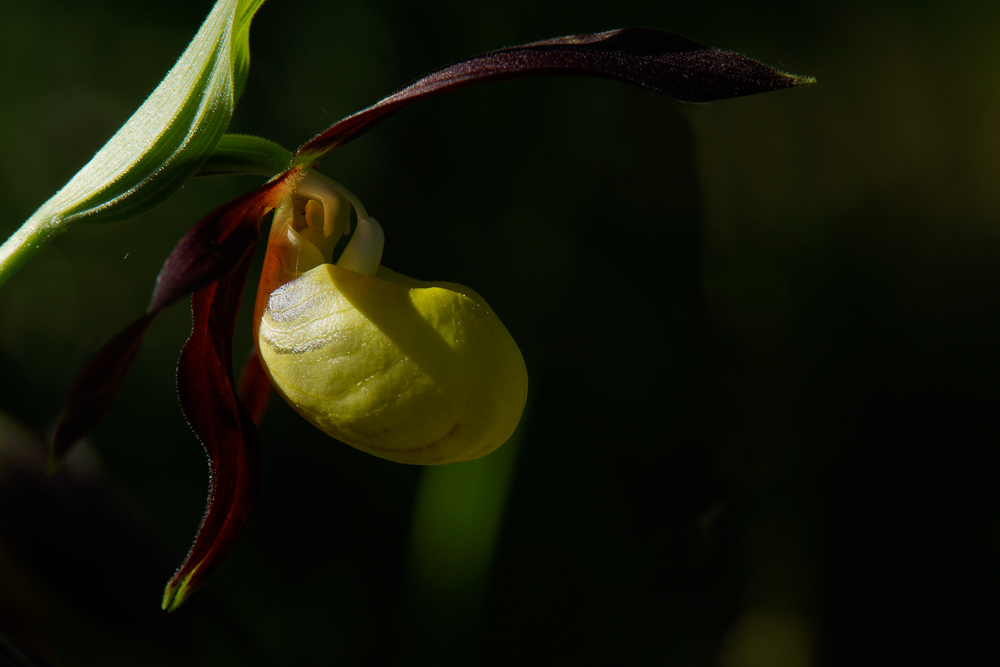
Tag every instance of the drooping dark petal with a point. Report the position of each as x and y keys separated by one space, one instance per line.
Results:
x=209 y=251
x=661 y=61
x=94 y=391
x=255 y=388
x=225 y=428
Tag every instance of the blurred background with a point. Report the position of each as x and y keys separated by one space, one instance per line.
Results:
x=761 y=336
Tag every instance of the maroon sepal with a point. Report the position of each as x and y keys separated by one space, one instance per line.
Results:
x=255 y=388
x=661 y=61
x=209 y=251
x=94 y=391
x=208 y=398
x=220 y=240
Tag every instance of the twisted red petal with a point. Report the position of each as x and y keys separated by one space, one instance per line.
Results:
x=225 y=428
x=206 y=388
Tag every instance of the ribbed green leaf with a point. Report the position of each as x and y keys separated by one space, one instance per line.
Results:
x=162 y=145
x=241 y=44
x=247 y=155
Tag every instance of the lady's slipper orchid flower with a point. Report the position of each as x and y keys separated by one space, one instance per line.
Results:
x=411 y=371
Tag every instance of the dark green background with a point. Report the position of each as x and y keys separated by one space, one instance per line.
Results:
x=761 y=336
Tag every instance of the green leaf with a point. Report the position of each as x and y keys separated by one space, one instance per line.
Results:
x=161 y=146
x=241 y=44
x=246 y=154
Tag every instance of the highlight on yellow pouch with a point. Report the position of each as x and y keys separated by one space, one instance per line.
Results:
x=411 y=371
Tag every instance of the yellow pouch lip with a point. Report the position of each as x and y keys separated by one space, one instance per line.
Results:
x=457 y=358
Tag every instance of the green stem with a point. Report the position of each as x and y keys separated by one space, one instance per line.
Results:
x=37 y=231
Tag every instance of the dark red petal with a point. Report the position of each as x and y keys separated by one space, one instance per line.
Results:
x=218 y=242
x=208 y=398
x=661 y=61
x=255 y=388
x=95 y=389
x=209 y=250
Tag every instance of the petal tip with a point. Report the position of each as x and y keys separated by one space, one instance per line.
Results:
x=179 y=589
x=797 y=81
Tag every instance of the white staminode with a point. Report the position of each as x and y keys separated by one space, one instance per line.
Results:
x=327 y=192
x=324 y=216
x=319 y=188
x=363 y=253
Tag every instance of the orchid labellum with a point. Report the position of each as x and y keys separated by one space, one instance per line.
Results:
x=411 y=371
